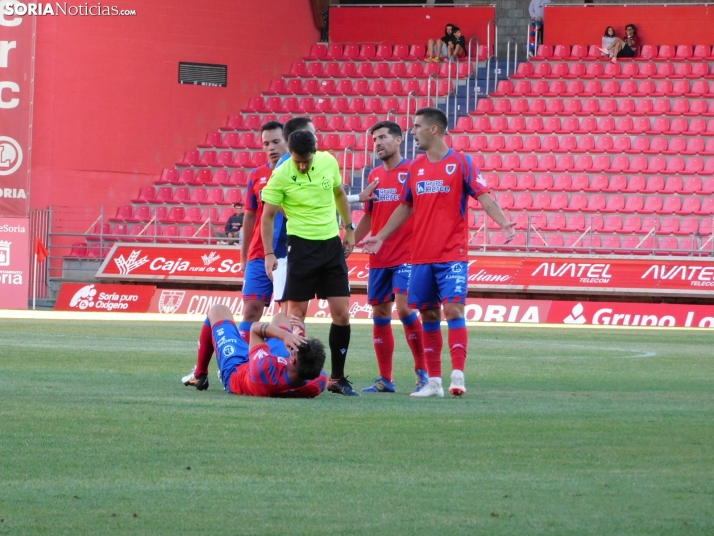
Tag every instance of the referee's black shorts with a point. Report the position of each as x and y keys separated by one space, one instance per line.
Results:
x=315 y=267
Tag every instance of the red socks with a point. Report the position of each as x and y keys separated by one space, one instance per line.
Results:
x=458 y=343
x=433 y=344
x=414 y=334
x=205 y=348
x=383 y=339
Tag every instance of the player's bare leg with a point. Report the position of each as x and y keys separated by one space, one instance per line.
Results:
x=433 y=344
x=458 y=346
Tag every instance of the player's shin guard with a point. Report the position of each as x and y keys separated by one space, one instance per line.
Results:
x=383 y=338
x=414 y=334
x=244 y=330
x=205 y=348
x=433 y=344
x=339 y=344
x=458 y=343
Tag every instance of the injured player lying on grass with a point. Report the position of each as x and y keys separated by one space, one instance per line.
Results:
x=277 y=363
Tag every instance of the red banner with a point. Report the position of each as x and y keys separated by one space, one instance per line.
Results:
x=15 y=112
x=540 y=273
x=98 y=298
x=140 y=298
x=14 y=265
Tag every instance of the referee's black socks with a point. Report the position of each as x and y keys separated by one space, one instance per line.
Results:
x=339 y=344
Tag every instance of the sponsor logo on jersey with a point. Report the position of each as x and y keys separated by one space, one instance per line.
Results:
x=386 y=194
x=431 y=187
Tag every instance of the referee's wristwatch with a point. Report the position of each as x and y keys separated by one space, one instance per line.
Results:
x=350 y=227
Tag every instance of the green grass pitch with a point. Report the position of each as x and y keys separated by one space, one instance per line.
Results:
x=563 y=431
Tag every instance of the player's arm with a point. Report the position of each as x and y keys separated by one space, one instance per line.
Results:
x=267 y=226
x=343 y=207
x=260 y=331
x=363 y=228
x=365 y=195
x=399 y=217
x=248 y=227
x=494 y=210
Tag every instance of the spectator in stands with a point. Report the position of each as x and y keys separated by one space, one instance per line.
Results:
x=608 y=42
x=235 y=223
x=627 y=47
x=457 y=47
x=536 y=9
x=440 y=49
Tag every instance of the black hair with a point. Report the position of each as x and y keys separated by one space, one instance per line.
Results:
x=434 y=116
x=295 y=124
x=302 y=142
x=393 y=128
x=634 y=28
x=455 y=29
x=272 y=125
x=449 y=24
x=310 y=359
x=614 y=33
x=237 y=205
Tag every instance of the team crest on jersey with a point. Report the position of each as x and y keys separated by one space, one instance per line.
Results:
x=402 y=177
x=456 y=268
x=450 y=168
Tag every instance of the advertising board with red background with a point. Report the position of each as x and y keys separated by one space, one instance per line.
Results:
x=99 y=298
x=532 y=273
x=14 y=263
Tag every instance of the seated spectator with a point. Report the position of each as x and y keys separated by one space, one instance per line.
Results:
x=440 y=49
x=457 y=46
x=235 y=223
x=626 y=48
x=608 y=42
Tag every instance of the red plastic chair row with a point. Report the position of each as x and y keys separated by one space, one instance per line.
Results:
x=608 y=88
x=223 y=159
x=585 y=144
x=355 y=70
x=663 y=52
x=601 y=163
x=634 y=184
x=597 y=70
x=595 y=107
x=383 y=52
x=187 y=176
x=337 y=105
x=364 y=88
x=696 y=126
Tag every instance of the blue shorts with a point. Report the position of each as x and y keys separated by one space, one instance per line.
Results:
x=384 y=283
x=232 y=351
x=257 y=285
x=432 y=284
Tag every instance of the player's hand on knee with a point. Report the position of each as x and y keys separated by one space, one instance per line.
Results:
x=373 y=245
x=510 y=231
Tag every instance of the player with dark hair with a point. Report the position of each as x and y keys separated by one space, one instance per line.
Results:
x=436 y=193
x=278 y=363
x=389 y=270
x=295 y=124
x=308 y=186
x=258 y=288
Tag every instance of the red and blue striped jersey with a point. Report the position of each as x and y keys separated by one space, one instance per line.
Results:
x=257 y=180
x=267 y=375
x=439 y=192
x=396 y=249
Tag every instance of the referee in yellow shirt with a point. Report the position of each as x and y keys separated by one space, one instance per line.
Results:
x=309 y=188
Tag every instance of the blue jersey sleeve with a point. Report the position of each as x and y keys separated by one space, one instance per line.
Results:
x=406 y=195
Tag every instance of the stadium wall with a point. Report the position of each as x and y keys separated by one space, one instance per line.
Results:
x=656 y=25
x=109 y=112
